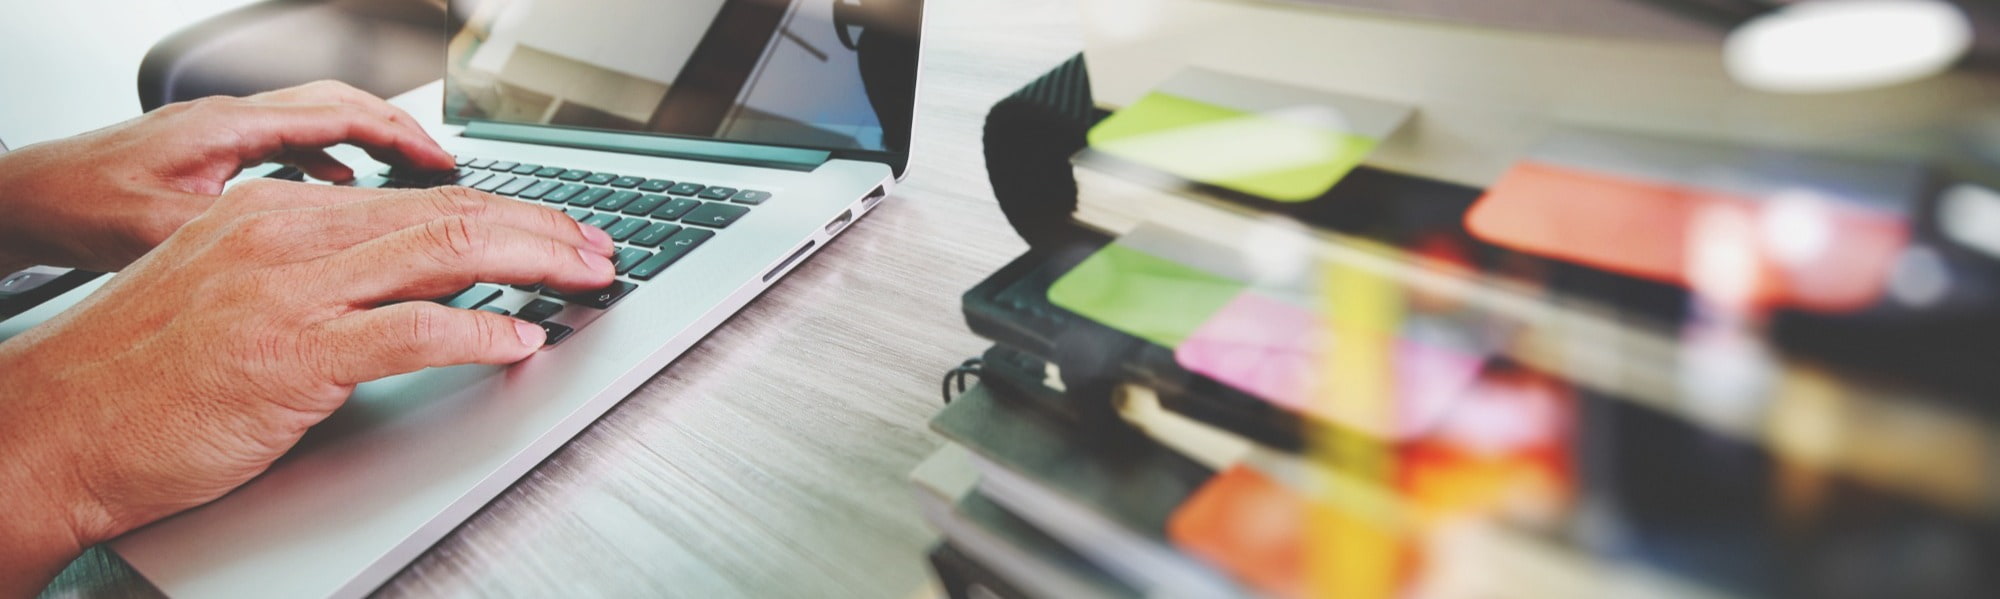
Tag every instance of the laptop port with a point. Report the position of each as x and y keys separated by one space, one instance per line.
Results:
x=839 y=222
x=874 y=197
x=796 y=255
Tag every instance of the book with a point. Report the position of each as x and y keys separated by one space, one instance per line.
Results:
x=1106 y=496
x=1006 y=548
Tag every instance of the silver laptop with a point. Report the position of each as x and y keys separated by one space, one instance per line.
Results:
x=722 y=141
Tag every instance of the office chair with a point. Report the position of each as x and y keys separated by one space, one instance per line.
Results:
x=385 y=47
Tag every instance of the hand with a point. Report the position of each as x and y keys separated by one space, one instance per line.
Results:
x=100 y=200
x=189 y=373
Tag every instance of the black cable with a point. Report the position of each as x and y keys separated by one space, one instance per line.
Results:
x=971 y=367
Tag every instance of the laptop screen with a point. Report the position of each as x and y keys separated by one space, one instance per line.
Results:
x=822 y=74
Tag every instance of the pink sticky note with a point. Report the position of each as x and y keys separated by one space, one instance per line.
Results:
x=1273 y=350
x=1262 y=346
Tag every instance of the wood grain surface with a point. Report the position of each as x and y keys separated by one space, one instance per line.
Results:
x=769 y=461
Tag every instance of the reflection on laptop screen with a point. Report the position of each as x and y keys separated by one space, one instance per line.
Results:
x=830 y=74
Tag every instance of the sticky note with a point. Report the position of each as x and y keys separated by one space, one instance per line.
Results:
x=1143 y=295
x=1256 y=137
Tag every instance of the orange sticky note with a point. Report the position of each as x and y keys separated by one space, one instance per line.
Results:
x=1645 y=229
x=1249 y=526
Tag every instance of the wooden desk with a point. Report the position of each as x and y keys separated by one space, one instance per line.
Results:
x=770 y=460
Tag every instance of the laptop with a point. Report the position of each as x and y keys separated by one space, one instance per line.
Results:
x=722 y=142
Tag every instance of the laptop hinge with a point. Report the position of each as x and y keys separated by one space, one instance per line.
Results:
x=652 y=145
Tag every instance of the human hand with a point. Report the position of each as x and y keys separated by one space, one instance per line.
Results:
x=102 y=199
x=190 y=372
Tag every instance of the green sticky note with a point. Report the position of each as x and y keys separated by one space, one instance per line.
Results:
x=1287 y=156
x=1143 y=295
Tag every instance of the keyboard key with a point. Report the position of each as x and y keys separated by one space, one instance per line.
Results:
x=617 y=200
x=515 y=187
x=630 y=257
x=472 y=178
x=602 y=298
x=526 y=169
x=675 y=208
x=464 y=160
x=556 y=333
x=449 y=296
x=600 y=179
x=573 y=175
x=686 y=189
x=496 y=310
x=538 y=190
x=715 y=214
x=643 y=205
x=750 y=196
x=480 y=163
x=504 y=166
x=424 y=177
x=494 y=183
x=564 y=193
x=578 y=213
x=716 y=193
x=530 y=288
x=538 y=310
x=589 y=197
x=625 y=229
x=679 y=245
x=628 y=182
x=655 y=233
x=602 y=221
x=549 y=172
x=656 y=186
x=472 y=299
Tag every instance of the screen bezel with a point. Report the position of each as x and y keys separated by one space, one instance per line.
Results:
x=898 y=160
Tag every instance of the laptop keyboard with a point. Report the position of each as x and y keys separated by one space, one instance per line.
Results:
x=655 y=222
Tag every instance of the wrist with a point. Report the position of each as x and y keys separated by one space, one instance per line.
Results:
x=51 y=220
x=36 y=539
x=43 y=487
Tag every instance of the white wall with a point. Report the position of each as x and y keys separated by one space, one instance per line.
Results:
x=70 y=66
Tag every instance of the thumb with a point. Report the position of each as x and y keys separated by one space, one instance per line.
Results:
x=412 y=336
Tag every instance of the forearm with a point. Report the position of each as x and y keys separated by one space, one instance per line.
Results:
x=22 y=232
x=33 y=548
x=39 y=496
x=60 y=214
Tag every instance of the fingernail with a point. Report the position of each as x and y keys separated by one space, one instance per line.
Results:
x=531 y=335
x=596 y=262
x=597 y=237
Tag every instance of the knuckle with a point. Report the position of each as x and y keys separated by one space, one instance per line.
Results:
x=422 y=326
x=174 y=109
x=555 y=220
x=310 y=352
x=454 y=200
x=257 y=230
x=455 y=238
x=338 y=88
x=486 y=331
x=214 y=109
x=209 y=104
x=561 y=254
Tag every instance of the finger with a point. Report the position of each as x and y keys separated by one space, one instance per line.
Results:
x=318 y=164
x=449 y=254
x=260 y=131
x=335 y=92
x=412 y=336
x=344 y=225
x=262 y=195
